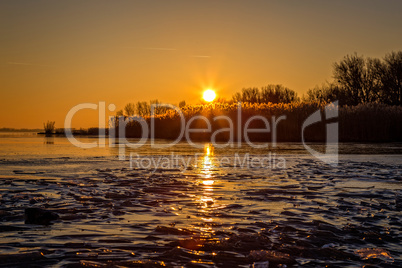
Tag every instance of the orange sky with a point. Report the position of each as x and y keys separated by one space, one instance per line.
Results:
x=57 y=54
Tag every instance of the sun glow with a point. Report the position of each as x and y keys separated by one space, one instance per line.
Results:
x=209 y=95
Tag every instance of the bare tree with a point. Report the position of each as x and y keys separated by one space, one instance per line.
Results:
x=129 y=109
x=250 y=95
x=349 y=74
x=49 y=127
x=155 y=107
x=373 y=80
x=143 y=108
x=119 y=113
x=392 y=78
x=277 y=94
x=182 y=104
x=326 y=93
x=269 y=93
x=359 y=77
x=237 y=97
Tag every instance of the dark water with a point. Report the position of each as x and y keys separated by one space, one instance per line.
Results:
x=303 y=214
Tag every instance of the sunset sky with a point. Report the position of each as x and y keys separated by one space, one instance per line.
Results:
x=57 y=54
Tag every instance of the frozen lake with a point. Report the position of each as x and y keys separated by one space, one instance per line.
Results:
x=182 y=206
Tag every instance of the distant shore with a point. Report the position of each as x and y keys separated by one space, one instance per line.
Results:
x=223 y=122
x=370 y=122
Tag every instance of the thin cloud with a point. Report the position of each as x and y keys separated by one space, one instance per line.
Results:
x=200 y=56
x=28 y=64
x=161 y=48
x=170 y=49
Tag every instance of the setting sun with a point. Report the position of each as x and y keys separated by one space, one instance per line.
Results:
x=209 y=95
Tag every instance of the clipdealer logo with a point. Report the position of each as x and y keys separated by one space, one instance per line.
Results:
x=242 y=131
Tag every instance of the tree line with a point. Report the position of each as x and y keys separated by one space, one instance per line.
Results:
x=143 y=108
x=359 y=80
x=269 y=93
x=356 y=80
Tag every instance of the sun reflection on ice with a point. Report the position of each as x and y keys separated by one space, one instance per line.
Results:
x=207 y=201
x=206 y=165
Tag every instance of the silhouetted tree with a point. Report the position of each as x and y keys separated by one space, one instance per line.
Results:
x=182 y=104
x=269 y=93
x=326 y=93
x=158 y=107
x=277 y=94
x=143 y=108
x=129 y=109
x=250 y=95
x=49 y=127
x=119 y=113
x=349 y=74
x=237 y=97
x=359 y=77
x=373 y=80
x=392 y=78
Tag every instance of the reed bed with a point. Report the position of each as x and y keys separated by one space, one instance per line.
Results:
x=362 y=123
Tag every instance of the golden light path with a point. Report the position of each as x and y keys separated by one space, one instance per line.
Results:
x=209 y=95
x=207 y=200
